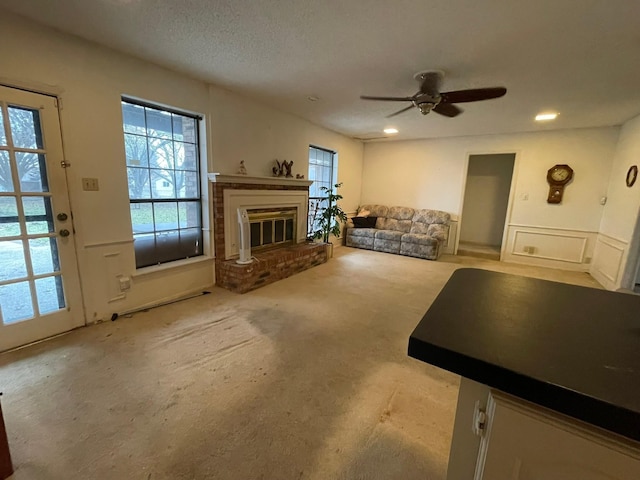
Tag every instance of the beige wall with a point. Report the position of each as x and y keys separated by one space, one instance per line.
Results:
x=431 y=174
x=243 y=129
x=90 y=81
x=617 y=247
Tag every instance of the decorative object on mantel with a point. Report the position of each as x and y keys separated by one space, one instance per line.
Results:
x=557 y=177
x=278 y=169
x=299 y=176
x=242 y=170
x=632 y=175
x=331 y=217
x=287 y=168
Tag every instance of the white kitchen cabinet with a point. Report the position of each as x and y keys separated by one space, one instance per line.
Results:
x=522 y=441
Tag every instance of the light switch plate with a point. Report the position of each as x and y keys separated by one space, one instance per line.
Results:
x=90 y=184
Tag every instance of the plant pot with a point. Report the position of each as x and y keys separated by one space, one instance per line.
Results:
x=328 y=248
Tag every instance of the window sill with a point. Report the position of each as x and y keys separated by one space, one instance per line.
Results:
x=143 y=272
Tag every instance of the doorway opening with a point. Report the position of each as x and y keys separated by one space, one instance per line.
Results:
x=486 y=200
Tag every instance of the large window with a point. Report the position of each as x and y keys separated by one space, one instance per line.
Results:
x=321 y=171
x=163 y=169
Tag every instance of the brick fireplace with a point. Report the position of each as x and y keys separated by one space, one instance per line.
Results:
x=260 y=195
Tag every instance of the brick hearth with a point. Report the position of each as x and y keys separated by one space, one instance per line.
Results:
x=271 y=265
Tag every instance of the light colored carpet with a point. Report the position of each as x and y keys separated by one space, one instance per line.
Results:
x=307 y=378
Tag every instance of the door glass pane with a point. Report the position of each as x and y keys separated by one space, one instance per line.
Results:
x=25 y=127
x=49 y=294
x=37 y=211
x=166 y=215
x=32 y=172
x=44 y=255
x=3 y=135
x=9 y=226
x=15 y=302
x=255 y=234
x=267 y=233
x=6 y=180
x=142 y=217
x=12 y=260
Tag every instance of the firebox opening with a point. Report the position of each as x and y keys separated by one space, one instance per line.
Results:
x=272 y=227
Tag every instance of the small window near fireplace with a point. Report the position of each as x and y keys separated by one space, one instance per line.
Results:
x=272 y=227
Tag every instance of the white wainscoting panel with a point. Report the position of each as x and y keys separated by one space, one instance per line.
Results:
x=450 y=247
x=608 y=260
x=549 y=247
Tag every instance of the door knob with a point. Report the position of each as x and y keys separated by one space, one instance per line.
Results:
x=62 y=217
x=64 y=232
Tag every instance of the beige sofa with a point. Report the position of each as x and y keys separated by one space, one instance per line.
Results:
x=402 y=230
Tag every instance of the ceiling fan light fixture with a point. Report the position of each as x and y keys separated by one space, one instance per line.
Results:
x=390 y=131
x=425 y=107
x=545 y=117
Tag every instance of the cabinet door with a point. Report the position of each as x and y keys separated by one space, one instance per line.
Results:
x=524 y=442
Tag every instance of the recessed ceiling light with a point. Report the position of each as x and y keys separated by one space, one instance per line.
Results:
x=542 y=117
x=390 y=131
x=313 y=98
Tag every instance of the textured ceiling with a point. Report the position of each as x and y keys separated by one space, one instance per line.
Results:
x=578 y=57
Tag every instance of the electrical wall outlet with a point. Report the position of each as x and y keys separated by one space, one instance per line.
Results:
x=529 y=249
x=90 y=185
x=125 y=283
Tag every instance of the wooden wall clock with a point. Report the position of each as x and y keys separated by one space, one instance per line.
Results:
x=557 y=177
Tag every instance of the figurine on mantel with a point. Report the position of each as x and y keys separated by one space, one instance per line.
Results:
x=299 y=176
x=242 y=170
x=287 y=167
x=282 y=169
x=277 y=170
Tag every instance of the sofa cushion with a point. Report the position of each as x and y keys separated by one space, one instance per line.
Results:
x=360 y=242
x=439 y=231
x=431 y=216
x=430 y=252
x=362 y=232
x=399 y=225
x=419 y=227
x=419 y=239
x=375 y=210
x=364 y=222
x=387 y=246
x=401 y=213
x=389 y=235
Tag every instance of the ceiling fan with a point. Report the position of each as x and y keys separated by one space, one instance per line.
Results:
x=430 y=98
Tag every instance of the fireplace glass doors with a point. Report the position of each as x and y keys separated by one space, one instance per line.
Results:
x=272 y=228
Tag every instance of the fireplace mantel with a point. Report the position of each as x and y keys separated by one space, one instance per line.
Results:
x=226 y=178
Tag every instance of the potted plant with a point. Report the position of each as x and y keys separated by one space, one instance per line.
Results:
x=330 y=217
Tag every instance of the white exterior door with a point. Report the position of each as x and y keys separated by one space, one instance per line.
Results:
x=39 y=286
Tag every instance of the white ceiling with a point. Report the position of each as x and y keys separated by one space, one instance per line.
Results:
x=578 y=57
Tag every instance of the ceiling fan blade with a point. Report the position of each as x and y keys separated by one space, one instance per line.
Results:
x=400 y=111
x=430 y=82
x=390 y=99
x=473 y=95
x=447 y=109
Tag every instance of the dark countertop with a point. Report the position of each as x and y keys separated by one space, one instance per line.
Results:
x=573 y=349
